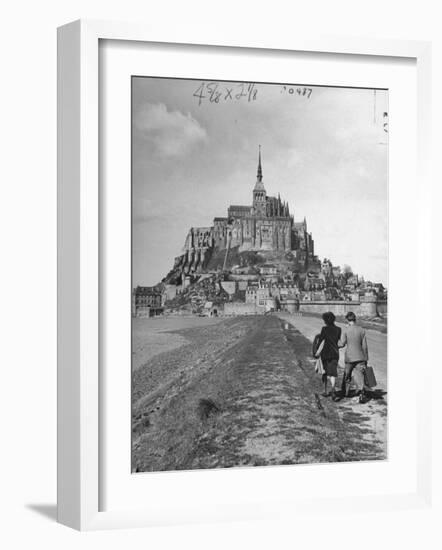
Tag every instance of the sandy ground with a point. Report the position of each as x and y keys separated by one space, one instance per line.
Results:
x=242 y=391
x=157 y=335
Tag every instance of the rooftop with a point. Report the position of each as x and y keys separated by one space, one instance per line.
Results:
x=146 y=290
x=240 y=207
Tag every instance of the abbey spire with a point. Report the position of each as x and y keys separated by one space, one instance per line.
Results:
x=259 y=185
x=259 y=174
x=259 y=192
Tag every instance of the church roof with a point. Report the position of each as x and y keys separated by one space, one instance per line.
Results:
x=239 y=207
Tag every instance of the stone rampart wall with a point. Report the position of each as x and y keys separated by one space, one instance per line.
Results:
x=362 y=309
x=147 y=311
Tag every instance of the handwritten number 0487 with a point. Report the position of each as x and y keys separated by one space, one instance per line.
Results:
x=299 y=91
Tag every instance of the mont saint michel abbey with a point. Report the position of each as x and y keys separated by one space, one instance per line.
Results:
x=256 y=259
x=265 y=225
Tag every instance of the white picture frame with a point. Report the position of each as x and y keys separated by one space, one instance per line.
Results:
x=79 y=265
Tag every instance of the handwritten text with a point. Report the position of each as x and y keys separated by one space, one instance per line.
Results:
x=216 y=92
x=300 y=91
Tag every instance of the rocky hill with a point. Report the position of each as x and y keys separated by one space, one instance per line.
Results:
x=205 y=285
x=247 y=262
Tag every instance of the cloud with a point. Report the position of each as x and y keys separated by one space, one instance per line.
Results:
x=138 y=219
x=171 y=133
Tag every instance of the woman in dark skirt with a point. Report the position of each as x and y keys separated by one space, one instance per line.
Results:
x=330 y=334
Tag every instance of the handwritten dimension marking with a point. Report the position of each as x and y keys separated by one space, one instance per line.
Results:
x=214 y=92
x=302 y=91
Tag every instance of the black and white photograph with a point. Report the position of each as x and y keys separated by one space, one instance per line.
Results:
x=226 y=217
x=259 y=274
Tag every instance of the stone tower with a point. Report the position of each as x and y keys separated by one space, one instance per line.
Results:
x=259 y=192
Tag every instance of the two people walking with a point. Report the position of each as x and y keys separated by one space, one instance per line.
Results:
x=327 y=345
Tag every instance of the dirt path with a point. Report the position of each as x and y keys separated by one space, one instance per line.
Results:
x=377 y=343
x=375 y=411
x=242 y=393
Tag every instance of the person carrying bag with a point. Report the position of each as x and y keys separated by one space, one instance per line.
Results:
x=328 y=352
x=370 y=378
x=354 y=339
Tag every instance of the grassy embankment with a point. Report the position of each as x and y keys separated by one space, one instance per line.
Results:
x=242 y=393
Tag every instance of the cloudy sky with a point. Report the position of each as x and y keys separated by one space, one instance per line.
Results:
x=195 y=149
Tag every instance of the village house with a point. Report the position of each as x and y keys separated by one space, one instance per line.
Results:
x=147 y=301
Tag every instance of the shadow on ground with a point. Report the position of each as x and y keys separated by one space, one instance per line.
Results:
x=49 y=511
